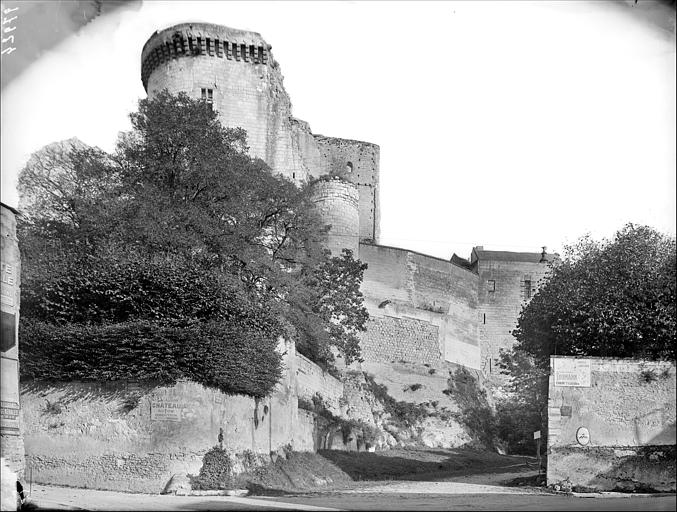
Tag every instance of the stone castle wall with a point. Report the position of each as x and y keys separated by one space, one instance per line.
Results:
x=357 y=162
x=501 y=296
x=337 y=202
x=312 y=380
x=421 y=308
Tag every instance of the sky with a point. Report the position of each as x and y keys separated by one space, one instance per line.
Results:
x=510 y=125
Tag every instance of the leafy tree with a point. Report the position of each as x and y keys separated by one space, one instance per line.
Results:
x=181 y=227
x=329 y=310
x=522 y=409
x=610 y=298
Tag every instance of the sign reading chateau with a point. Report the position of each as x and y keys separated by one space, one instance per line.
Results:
x=572 y=372
x=170 y=410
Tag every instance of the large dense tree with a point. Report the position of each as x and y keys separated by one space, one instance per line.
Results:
x=612 y=298
x=182 y=228
x=609 y=298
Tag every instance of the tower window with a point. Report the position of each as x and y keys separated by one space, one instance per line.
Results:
x=349 y=167
x=527 y=286
x=208 y=96
x=491 y=285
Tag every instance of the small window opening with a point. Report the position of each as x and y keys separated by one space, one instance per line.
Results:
x=484 y=318
x=208 y=96
x=527 y=289
x=349 y=167
x=491 y=285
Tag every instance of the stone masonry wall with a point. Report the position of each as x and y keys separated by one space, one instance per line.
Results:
x=392 y=339
x=11 y=438
x=135 y=436
x=628 y=410
x=247 y=93
x=311 y=379
x=131 y=437
x=336 y=201
x=412 y=296
x=501 y=298
x=357 y=162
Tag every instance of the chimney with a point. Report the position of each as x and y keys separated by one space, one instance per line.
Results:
x=543 y=258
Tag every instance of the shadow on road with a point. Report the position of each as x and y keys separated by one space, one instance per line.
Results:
x=430 y=465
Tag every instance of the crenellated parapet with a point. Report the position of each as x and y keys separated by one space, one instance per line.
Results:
x=195 y=39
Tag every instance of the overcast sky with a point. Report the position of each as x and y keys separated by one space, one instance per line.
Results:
x=508 y=125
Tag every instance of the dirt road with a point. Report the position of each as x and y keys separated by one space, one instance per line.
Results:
x=475 y=492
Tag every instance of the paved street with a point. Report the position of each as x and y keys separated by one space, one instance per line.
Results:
x=457 y=495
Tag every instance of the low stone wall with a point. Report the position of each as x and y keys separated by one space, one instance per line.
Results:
x=130 y=437
x=311 y=380
x=611 y=424
x=135 y=436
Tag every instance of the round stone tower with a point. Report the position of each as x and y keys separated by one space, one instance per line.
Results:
x=337 y=202
x=235 y=72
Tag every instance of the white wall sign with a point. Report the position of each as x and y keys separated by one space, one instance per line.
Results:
x=537 y=434
x=572 y=372
x=582 y=436
x=170 y=410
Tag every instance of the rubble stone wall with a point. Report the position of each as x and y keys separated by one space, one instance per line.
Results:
x=311 y=380
x=627 y=408
x=135 y=436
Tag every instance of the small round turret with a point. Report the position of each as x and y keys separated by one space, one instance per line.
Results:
x=337 y=202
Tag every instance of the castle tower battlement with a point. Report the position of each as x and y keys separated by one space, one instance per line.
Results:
x=193 y=39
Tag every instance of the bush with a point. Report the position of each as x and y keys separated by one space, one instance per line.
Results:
x=364 y=432
x=405 y=414
x=474 y=410
x=216 y=471
x=232 y=359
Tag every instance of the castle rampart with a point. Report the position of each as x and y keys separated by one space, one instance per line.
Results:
x=421 y=308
